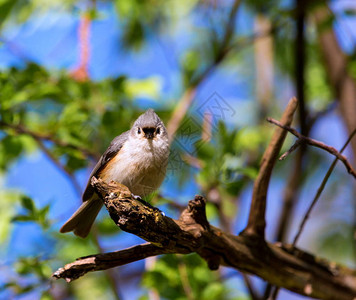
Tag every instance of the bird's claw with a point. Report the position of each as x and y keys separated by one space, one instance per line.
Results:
x=136 y=197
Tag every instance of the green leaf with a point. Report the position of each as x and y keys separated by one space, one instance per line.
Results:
x=27 y=203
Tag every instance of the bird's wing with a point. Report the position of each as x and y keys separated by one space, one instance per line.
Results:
x=110 y=152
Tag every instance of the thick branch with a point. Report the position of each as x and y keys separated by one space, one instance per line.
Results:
x=285 y=266
x=256 y=222
x=315 y=143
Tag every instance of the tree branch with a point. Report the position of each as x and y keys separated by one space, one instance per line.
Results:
x=256 y=222
x=291 y=191
x=188 y=96
x=106 y=261
x=20 y=129
x=283 y=266
x=251 y=289
x=315 y=143
x=59 y=166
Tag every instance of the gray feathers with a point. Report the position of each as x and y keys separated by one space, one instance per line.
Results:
x=82 y=220
x=148 y=119
x=110 y=152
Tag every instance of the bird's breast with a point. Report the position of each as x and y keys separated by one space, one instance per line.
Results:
x=140 y=165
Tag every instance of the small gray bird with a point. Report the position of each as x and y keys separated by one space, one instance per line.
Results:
x=137 y=158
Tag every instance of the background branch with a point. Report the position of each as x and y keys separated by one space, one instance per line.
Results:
x=187 y=98
x=20 y=129
x=336 y=63
x=320 y=190
x=59 y=166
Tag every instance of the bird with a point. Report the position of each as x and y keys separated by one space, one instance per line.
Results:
x=137 y=158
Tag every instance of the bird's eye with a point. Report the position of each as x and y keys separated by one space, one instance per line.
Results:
x=158 y=131
x=139 y=130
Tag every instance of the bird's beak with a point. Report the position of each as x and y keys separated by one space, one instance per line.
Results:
x=149 y=132
x=149 y=135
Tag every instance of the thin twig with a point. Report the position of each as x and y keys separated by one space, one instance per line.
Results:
x=183 y=274
x=320 y=190
x=317 y=144
x=274 y=293
x=109 y=274
x=150 y=262
x=291 y=149
x=193 y=161
x=180 y=111
x=229 y=29
x=207 y=127
x=252 y=290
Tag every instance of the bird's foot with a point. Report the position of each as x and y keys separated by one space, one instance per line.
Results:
x=136 y=197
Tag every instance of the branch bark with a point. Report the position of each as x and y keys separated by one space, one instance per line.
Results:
x=99 y=262
x=256 y=222
x=283 y=266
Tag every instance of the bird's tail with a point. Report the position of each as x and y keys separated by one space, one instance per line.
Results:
x=82 y=220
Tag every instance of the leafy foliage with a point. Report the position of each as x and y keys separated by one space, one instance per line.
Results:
x=39 y=215
x=185 y=277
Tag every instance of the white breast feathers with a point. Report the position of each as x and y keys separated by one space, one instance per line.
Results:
x=140 y=165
